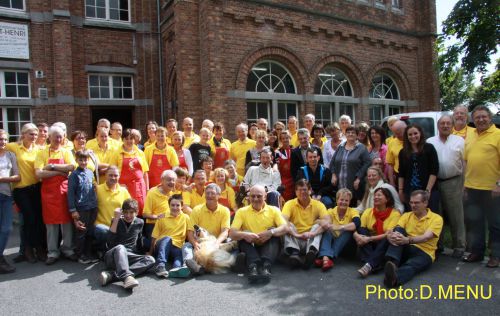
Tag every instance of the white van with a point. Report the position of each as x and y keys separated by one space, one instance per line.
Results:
x=427 y=120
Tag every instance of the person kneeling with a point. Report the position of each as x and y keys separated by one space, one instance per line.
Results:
x=168 y=238
x=124 y=240
x=338 y=232
x=304 y=235
x=413 y=242
x=257 y=228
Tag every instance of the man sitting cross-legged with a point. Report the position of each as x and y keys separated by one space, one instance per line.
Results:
x=123 y=239
x=257 y=228
x=304 y=236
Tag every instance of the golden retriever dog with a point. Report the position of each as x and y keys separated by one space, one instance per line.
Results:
x=213 y=259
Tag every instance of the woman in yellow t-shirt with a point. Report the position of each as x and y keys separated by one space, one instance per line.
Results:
x=227 y=196
x=344 y=221
x=371 y=237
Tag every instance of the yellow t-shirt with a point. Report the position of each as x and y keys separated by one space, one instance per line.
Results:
x=173 y=227
x=482 y=154
x=107 y=201
x=225 y=143
x=168 y=151
x=323 y=141
x=294 y=141
x=42 y=157
x=303 y=218
x=349 y=215
x=119 y=154
x=229 y=194
x=416 y=227
x=392 y=156
x=389 y=139
x=104 y=155
x=239 y=153
x=186 y=197
x=368 y=220
x=464 y=132
x=189 y=140
x=26 y=164
x=214 y=222
x=248 y=219
x=156 y=203
x=195 y=199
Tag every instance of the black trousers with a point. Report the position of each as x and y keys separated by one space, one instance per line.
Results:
x=260 y=254
x=29 y=201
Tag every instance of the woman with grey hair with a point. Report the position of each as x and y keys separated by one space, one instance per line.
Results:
x=53 y=165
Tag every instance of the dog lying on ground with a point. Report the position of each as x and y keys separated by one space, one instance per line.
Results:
x=214 y=259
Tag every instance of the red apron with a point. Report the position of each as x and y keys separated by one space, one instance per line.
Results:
x=221 y=155
x=225 y=201
x=133 y=178
x=182 y=160
x=159 y=163
x=284 y=163
x=55 y=197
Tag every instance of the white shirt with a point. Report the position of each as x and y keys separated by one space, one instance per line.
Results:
x=450 y=155
x=266 y=177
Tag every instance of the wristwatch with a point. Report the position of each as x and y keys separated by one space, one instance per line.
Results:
x=51 y=166
x=272 y=230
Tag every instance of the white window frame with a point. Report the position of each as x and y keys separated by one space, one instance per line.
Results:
x=5 y=122
x=270 y=61
x=335 y=112
x=396 y=4
x=269 y=110
x=3 y=94
x=14 y=9
x=107 y=18
x=110 y=86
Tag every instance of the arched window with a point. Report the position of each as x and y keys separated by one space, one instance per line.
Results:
x=333 y=82
x=384 y=98
x=266 y=83
x=269 y=76
x=383 y=87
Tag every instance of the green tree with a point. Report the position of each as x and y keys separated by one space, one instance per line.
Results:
x=455 y=84
x=489 y=90
x=475 y=26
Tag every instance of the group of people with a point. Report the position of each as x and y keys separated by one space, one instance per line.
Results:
x=282 y=192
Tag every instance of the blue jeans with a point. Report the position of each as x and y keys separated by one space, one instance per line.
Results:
x=332 y=246
x=481 y=206
x=373 y=252
x=273 y=198
x=327 y=201
x=101 y=236
x=165 y=249
x=5 y=220
x=410 y=259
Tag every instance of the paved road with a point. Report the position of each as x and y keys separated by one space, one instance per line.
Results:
x=72 y=288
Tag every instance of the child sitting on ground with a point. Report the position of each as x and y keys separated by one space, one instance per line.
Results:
x=168 y=237
x=124 y=240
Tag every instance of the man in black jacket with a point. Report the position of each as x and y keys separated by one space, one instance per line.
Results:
x=320 y=178
x=298 y=154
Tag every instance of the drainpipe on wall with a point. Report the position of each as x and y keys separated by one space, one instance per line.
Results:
x=160 y=62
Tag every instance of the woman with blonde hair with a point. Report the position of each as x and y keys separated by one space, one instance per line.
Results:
x=160 y=157
x=227 y=196
x=26 y=194
x=183 y=154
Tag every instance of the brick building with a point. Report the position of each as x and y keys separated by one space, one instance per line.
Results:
x=229 y=60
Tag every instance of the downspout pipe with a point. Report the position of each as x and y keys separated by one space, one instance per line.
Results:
x=160 y=62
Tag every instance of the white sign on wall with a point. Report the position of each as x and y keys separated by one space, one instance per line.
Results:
x=14 y=41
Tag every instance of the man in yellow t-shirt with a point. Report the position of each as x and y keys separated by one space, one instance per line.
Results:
x=156 y=204
x=257 y=228
x=482 y=185
x=240 y=147
x=414 y=238
x=293 y=126
x=304 y=236
x=211 y=216
x=110 y=196
x=197 y=194
x=168 y=238
x=393 y=149
x=189 y=135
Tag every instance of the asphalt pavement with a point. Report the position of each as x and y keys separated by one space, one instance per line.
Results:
x=68 y=288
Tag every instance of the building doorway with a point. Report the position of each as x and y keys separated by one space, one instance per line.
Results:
x=124 y=115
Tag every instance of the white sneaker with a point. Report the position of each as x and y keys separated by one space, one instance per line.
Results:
x=105 y=278
x=130 y=282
